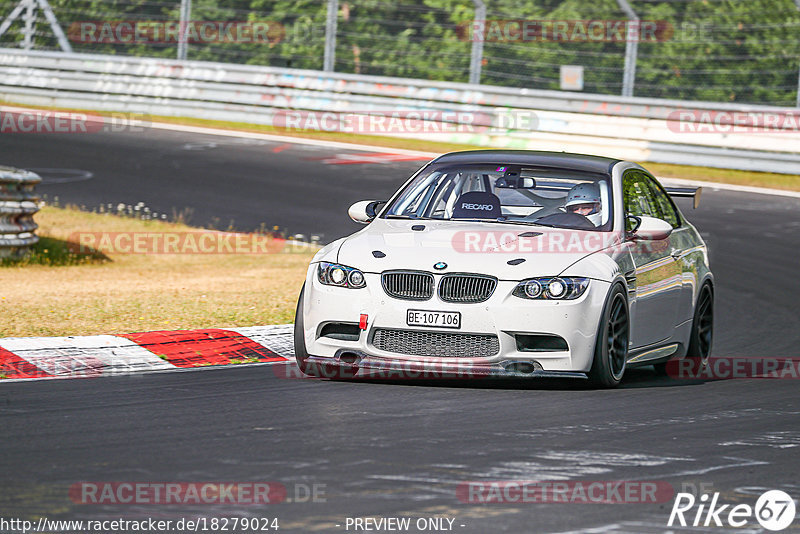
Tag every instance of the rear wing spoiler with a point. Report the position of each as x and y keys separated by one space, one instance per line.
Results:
x=690 y=192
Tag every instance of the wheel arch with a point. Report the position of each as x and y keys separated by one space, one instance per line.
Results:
x=599 y=368
x=707 y=280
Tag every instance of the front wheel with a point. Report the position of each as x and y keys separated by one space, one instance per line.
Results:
x=300 y=354
x=611 y=350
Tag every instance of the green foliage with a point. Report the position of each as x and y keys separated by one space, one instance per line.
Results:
x=54 y=252
x=721 y=50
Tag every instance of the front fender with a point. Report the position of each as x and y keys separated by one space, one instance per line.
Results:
x=329 y=252
x=607 y=265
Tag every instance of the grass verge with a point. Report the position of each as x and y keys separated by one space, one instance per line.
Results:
x=790 y=182
x=58 y=291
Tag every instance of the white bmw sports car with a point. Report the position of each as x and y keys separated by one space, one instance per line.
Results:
x=511 y=263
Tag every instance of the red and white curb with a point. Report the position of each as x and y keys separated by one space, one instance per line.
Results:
x=35 y=358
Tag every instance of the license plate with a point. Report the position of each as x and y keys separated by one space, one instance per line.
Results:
x=441 y=319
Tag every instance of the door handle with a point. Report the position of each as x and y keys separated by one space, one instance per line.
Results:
x=676 y=254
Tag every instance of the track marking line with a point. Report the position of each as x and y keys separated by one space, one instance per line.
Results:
x=377 y=157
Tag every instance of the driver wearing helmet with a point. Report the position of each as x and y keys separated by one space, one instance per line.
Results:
x=584 y=199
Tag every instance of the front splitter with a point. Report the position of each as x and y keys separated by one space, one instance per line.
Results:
x=357 y=364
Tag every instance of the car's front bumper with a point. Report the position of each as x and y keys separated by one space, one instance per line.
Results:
x=503 y=315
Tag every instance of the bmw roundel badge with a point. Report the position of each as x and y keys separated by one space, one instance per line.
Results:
x=439 y=266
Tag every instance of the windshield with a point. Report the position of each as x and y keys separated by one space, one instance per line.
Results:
x=560 y=198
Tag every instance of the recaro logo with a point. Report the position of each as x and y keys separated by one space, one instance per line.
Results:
x=774 y=510
x=483 y=207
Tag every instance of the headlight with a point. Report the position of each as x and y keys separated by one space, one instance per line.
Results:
x=355 y=278
x=333 y=274
x=532 y=289
x=556 y=288
x=551 y=288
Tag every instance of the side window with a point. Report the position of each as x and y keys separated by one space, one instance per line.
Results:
x=666 y=210
x=638 y=197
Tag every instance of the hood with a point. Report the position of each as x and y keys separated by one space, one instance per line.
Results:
x=474 y=247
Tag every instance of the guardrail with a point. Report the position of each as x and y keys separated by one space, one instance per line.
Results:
x=668 y=131
x=18 y=203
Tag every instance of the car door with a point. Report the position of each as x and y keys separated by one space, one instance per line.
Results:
x=657 y=274
x=682 y=248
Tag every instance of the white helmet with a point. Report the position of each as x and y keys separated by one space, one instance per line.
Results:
x=586 y=193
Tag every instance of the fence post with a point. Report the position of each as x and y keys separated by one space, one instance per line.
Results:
x=330 y=36
x=30 y=25
x=183 y=37
x=631 y=48
x=63 y=42
x=797 y=104
x=48 y=14
x=476 y=55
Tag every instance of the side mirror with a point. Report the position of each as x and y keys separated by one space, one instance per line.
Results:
x=652 y=229
x=365 y=210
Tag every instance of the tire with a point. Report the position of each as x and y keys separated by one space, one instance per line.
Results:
x=300 y=353
x=702 y=334
x=613 y=334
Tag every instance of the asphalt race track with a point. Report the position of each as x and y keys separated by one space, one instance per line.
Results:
x=399 y=449
x=219 y=179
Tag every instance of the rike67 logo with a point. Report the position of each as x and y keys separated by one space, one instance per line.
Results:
x=774 y=510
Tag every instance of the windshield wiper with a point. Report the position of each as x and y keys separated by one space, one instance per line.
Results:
x=506 y=220
x=501 y=220
x=541 y=224
x=412 y=218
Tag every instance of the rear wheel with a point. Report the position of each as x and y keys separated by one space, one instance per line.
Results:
x=611 y=350
x=702 y=333
x=702 y=327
